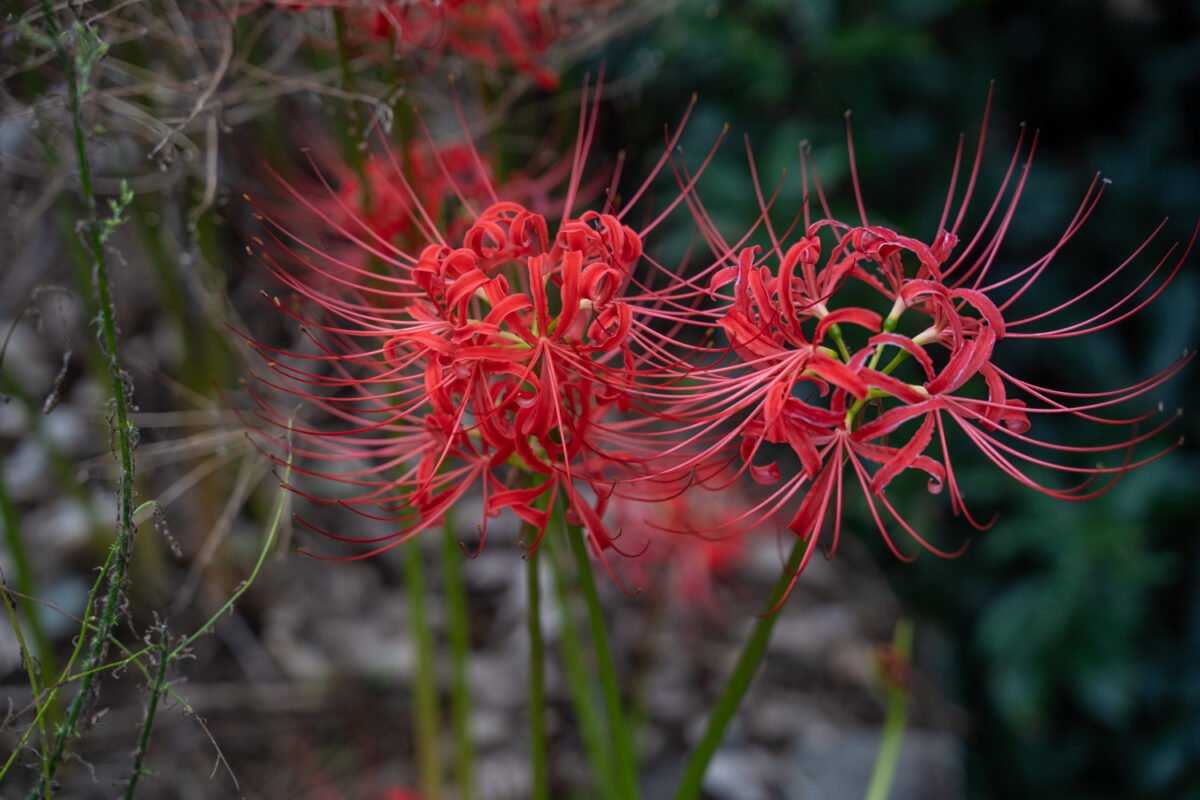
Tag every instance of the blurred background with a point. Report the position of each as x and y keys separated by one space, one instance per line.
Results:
x=1059 y=657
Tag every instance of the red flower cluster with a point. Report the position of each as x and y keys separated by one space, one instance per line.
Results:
x=498 y=361
x=385 y=206
x=666 y=544
x=857 y=349
x=400 y=202
x=488 y=32
x=525 y=360
x=495 y=34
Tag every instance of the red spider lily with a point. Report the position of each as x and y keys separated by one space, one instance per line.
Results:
x=388 y=212
x=491 y=33
x=488 y=32
x=669 y=546
x=498 y=361
x=835 y=398
x=381 y=206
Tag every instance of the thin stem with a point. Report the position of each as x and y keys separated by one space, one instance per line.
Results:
x=272 y=532
x=460 y=649
x=537 y=682
x=579 y=682
x=31 y=672
x=835 y=333
x=20 y=560
x=117 y=561
x=896 y=361
x=156 y=689
x=93 y=595
x=739 y=682
x=354 y=128
x=86 y=624
x=425 y=701
x=897 y=714
x=624 y=762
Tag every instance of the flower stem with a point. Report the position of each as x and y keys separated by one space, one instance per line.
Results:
x=624 y=762
x=537 y=682
x=353 y=140
x=42 y=703
x=897 y=714
x=739 y=682
x=24 y=572
x=124 y=434
x=460 y=647
x=156 y=689
x=579 y=682
x=425 y=701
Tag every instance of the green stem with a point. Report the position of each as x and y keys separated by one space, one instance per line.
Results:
x=624 y=762
x=34 y=683
x=272 y=533
x=354 y=128
x=425 y=701
x=897 y=715
x=835 y=333
x=87 y=626
x=583 y=698
x=896 y=361
x=156 y=689
x=80 y=640
x=197 y=343
x=537 y=682
x=20 y=558
x=739 y=681
x=117 y=562
x=460 y=648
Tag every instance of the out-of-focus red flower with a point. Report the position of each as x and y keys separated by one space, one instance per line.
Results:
x=488 y=32
x=441 y=173
x=399 y=794
x=500 y=360
x=399 y=199
x=667 y=545
x=858 y=348
x=495 y=34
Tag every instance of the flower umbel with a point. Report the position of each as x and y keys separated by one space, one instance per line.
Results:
x=859 y=349
x=499 y=360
